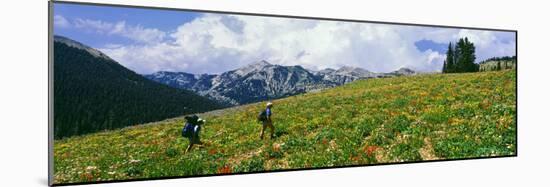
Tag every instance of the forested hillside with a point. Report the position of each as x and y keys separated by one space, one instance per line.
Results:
x=92 y=93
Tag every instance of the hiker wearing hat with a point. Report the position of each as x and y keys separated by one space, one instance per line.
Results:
x=265 y=118
x=191 y=130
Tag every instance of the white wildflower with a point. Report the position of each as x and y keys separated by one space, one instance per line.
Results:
x=134 y=161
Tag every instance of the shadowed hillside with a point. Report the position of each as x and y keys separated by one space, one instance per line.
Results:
x=93 y=93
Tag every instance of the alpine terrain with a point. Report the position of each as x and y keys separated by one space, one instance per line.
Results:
x=264 y=81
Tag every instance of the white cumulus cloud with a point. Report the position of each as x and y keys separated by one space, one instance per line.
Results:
x=137 y=33
x=215 y=43
x=60 y=21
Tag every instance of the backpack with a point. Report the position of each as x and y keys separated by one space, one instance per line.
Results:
x=187 y=130
x=262 y=116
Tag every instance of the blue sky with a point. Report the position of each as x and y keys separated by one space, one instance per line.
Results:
x=166 y=20
x=150 y=40
x=424 y=45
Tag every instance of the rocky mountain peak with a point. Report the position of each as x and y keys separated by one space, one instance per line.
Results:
x=262 y=63
x=354 y=71
x=254 y=67
x=404 y=71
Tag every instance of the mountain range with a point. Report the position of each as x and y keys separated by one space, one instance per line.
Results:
x=264 y=81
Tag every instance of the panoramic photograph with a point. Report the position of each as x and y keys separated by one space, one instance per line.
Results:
x=142 y=93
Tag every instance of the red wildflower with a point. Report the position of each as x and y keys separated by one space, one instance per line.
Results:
x=369 y=149
x=212 y=151
x=224 y=170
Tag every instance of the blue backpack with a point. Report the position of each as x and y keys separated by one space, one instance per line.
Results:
x=187 y=130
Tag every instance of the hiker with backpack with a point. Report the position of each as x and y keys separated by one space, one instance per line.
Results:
x=265 y=118
x=191 y=130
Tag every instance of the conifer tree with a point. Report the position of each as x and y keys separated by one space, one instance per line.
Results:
x=450 y=62
x=460 y=57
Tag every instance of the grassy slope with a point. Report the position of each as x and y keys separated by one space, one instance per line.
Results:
x=424 y=117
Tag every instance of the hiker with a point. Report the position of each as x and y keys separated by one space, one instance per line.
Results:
x=191 y=130
x=265 y=118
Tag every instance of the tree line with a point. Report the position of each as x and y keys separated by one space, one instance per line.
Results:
x=498 y=63
x=504 y=58
x=460 y=57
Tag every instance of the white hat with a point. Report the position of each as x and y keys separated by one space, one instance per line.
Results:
x=269 y=104
x=201 y=120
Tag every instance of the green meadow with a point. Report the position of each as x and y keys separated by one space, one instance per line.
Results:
x=386 y=120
